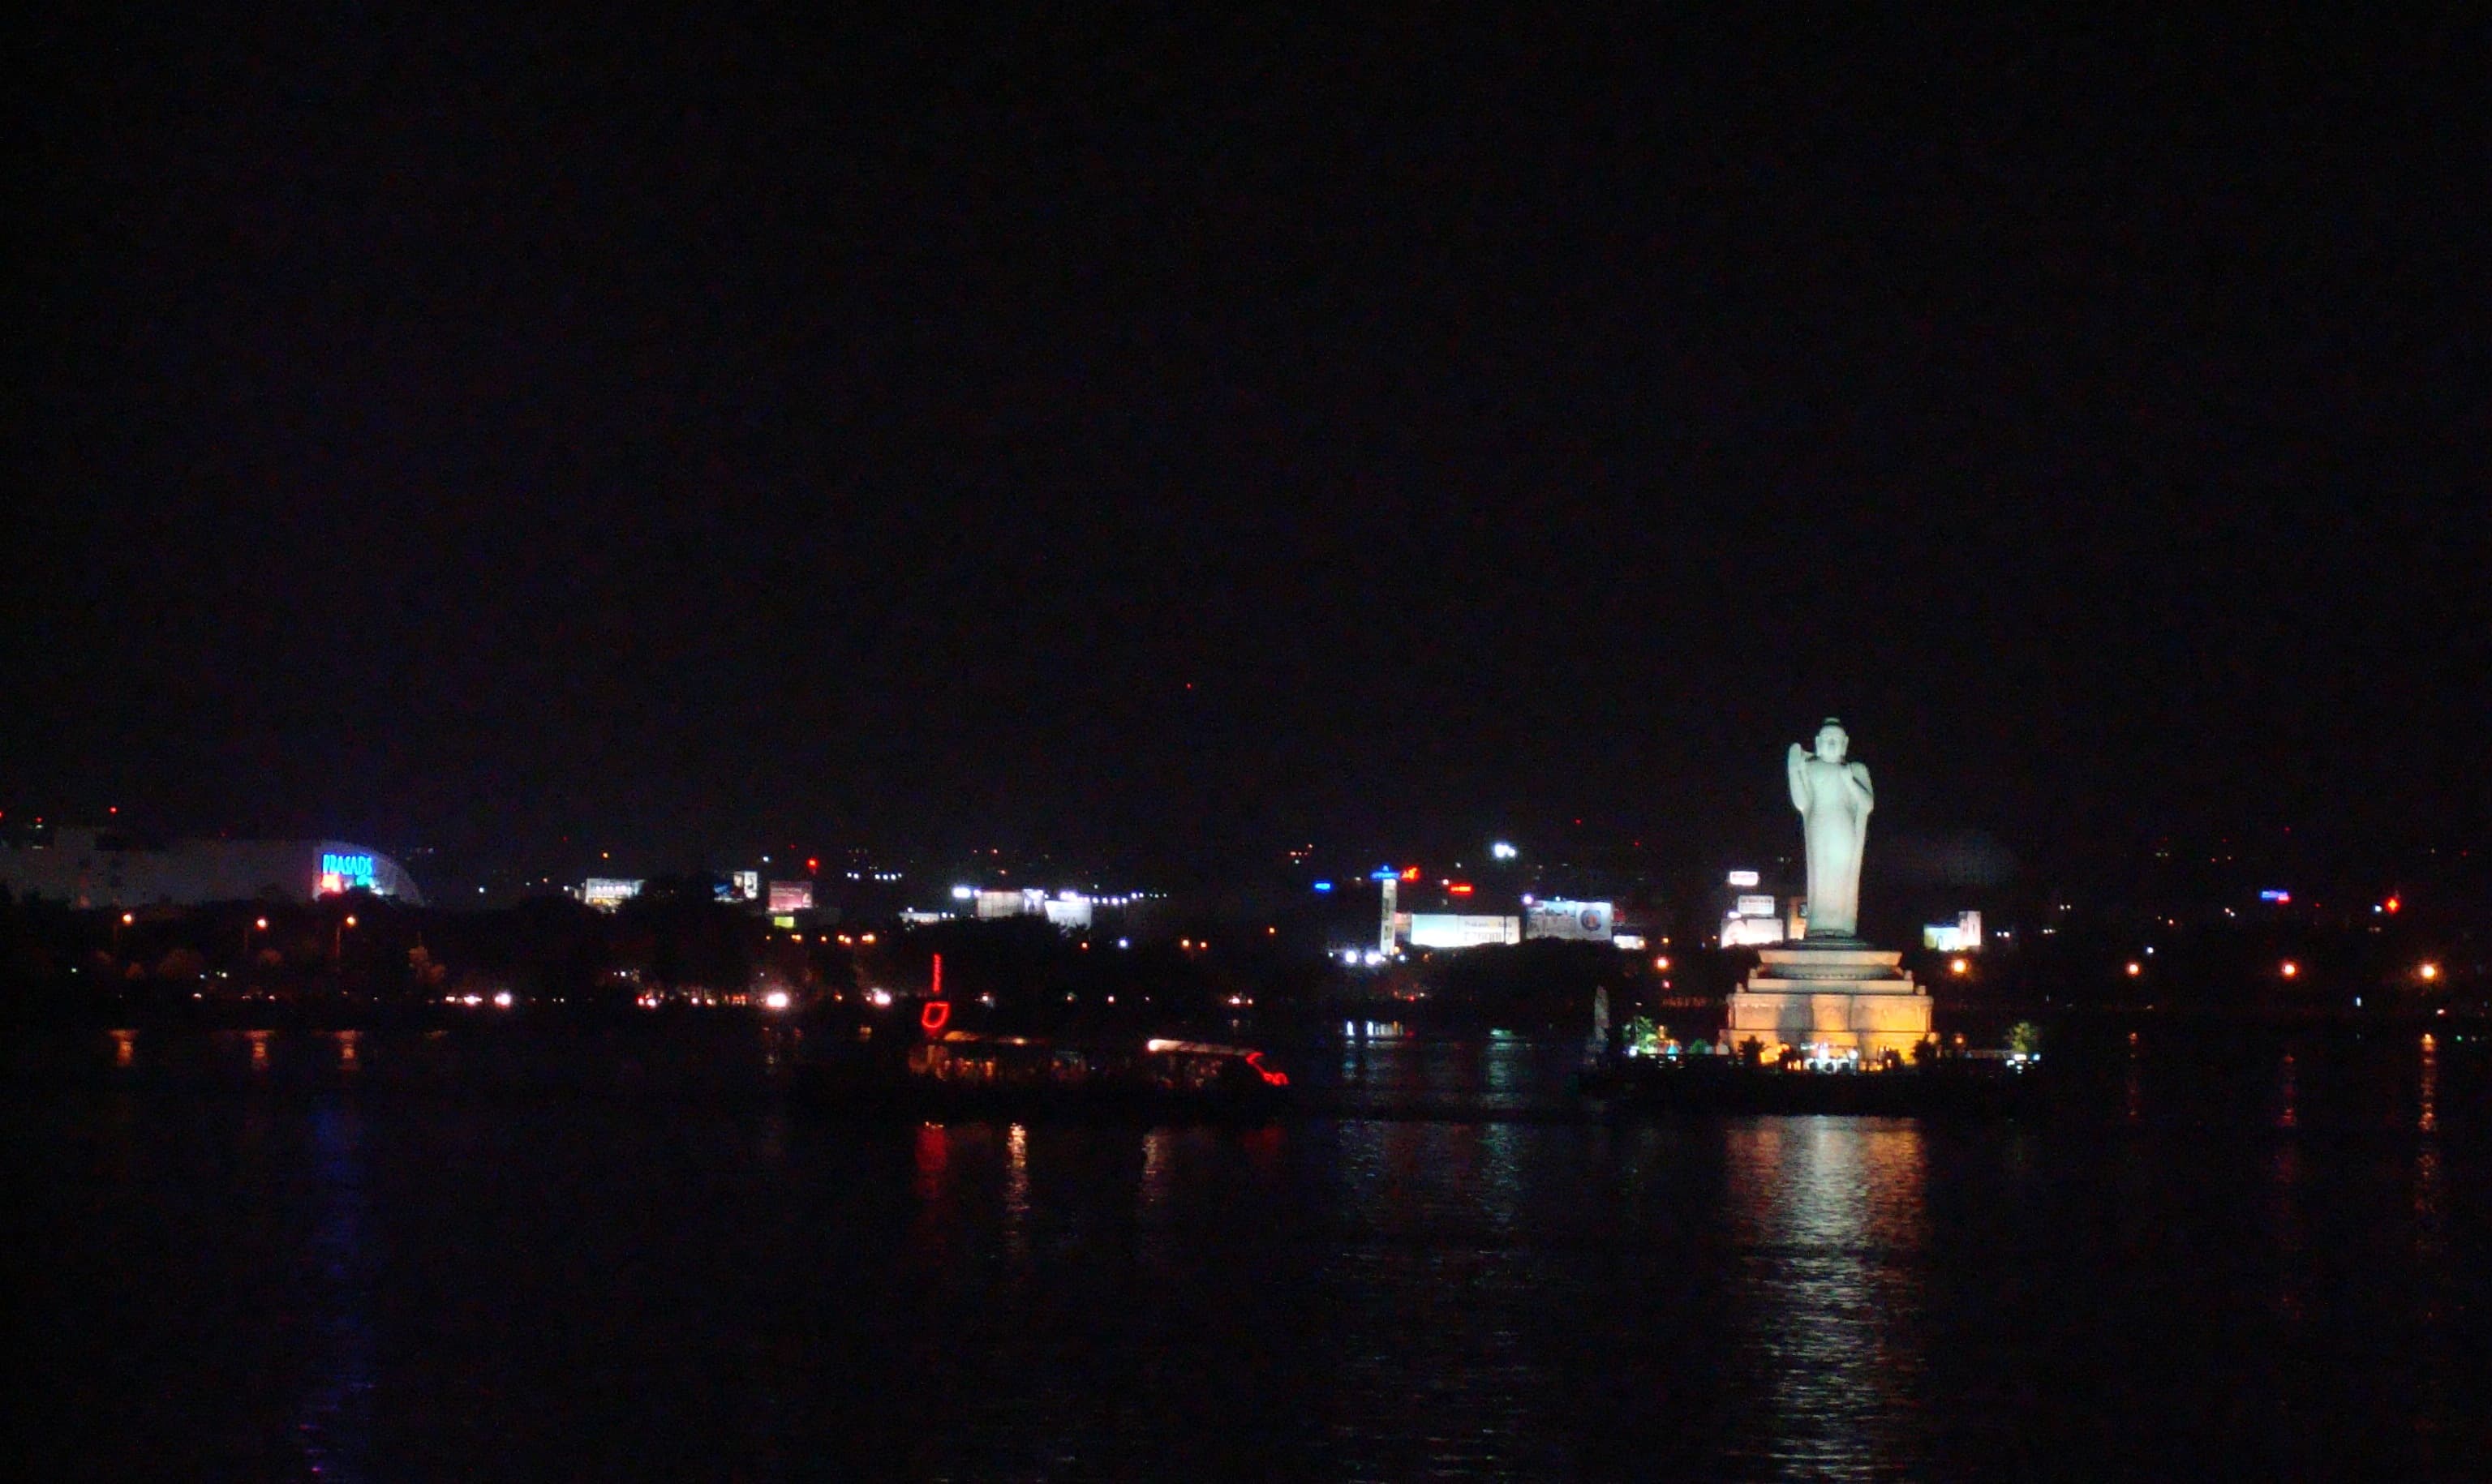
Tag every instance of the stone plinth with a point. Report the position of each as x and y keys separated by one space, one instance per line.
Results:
x=1842 y=995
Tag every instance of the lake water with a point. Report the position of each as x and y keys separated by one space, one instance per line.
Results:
x=604 y=1254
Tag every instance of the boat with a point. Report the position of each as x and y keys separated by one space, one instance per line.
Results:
x=1948 y=1086
x=964 y=1073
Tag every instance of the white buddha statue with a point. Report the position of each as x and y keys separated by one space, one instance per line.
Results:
x=1834 y=798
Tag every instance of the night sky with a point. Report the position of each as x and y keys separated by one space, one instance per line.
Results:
x=1169 y=443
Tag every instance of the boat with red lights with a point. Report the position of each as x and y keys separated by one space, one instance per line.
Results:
x=954 y=1072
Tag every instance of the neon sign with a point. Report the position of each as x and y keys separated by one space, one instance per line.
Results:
x=342 y=872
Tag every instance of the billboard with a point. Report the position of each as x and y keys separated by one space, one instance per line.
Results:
x=341 y=871
x=792 y=896
x=747 y=884
x=1962 y=936
x=1456 y=930
x=1558 y=917
x=607 y=892
x=1759 y=905
x=1068 y=912
x=1739 y=932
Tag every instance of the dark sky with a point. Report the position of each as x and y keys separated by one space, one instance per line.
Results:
x=1179 y=441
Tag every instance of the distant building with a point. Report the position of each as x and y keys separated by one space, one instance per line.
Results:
x=1071 y=911
x=90 y=868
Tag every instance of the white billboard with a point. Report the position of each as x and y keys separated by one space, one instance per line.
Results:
x=1757 y=905
x=1069 y=912
x=747 y=884
x=607 y=892
x=1456 y=930
x=1739 y=932
x=1559 y=917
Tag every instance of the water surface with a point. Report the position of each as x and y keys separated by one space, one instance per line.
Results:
x=315 y=1255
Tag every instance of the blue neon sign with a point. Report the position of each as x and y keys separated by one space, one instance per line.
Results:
x=1324 y=886
x=350 y=870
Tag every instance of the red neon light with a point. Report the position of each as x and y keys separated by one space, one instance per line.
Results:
x=1460 y=888
x=1411 y=873
x=937 y=1014
x=939 y=977
x=1271 y=1078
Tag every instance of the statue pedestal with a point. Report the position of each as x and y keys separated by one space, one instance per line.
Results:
x=1827 y=997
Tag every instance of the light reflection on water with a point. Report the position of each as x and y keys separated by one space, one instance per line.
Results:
x=1832 y=1217
x=747 y=1289
x=1017 y=1215
x=335 y=1420
x=2427 y=1086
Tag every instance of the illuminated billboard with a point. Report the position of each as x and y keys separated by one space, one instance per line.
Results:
x=1457 y=930
x=1558 y=917
x=1739 y=932
x=1744 y=878
x=747 y=884
x=1759 y=905
x=342 y=872
x=607 y=893
x=1962 y=936
x=792 y=896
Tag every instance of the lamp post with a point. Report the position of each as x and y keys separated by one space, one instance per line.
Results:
x=120 y=922
x=338 y=943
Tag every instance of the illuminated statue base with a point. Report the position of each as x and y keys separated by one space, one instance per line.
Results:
x=1830 y=999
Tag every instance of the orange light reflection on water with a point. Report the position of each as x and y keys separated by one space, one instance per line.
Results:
x=2427 y=1088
